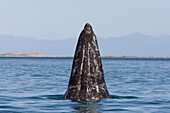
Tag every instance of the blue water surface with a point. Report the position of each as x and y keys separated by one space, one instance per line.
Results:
x=36 y=85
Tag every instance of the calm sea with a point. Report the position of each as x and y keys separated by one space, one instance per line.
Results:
x=36 y=85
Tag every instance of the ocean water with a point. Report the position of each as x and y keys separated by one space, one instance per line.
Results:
x=36 y=85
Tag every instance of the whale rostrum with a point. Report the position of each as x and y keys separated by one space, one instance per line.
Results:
x=87 y=77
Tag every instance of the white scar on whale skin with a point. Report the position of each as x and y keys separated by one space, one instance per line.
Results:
x=97 y=88
x=88 y=63
x=94 y=43
x=81 y=67
x=88 y=32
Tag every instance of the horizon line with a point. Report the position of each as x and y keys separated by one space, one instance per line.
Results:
x=135 y=33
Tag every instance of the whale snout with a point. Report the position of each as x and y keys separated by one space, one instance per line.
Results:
x=88 y=28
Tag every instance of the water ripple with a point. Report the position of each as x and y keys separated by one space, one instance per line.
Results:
x=33 y=85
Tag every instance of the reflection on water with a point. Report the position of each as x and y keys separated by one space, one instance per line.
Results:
x=87 y=108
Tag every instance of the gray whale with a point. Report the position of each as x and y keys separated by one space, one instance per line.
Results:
x=87 y=77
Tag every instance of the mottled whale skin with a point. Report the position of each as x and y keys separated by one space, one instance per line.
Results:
x=87 y=77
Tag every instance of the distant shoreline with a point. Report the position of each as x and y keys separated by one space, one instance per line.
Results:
x=114 y=57
x=135 y=57
x=41 y=55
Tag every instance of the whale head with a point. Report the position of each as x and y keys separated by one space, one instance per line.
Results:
x=87 y=77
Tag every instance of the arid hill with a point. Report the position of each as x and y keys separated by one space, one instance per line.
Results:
x=19 y=54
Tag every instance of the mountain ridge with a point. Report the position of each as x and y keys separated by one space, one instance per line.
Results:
x=135 y=44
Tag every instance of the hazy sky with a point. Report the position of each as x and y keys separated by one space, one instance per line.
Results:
x=59 y=19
